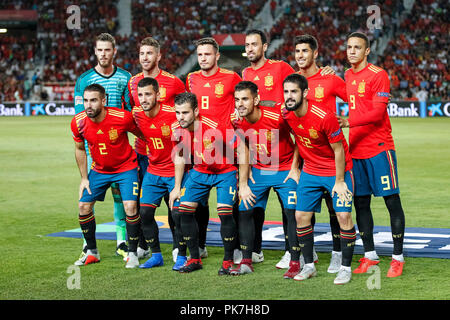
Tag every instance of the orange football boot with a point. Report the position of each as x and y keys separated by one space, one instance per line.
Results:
x=396 y=269
x=365 y=264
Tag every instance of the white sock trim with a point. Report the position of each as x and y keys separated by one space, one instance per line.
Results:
x=372 y=255
x=398 y=257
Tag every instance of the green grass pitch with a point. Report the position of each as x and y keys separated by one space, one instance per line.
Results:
x=38 y=196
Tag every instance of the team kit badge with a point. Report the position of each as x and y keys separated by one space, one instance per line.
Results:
x=113 y=135
x=319 y=92
x=165 y=130
x=218 y=90
x=268 y=81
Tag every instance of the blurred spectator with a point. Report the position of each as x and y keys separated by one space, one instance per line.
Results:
x=415 y=58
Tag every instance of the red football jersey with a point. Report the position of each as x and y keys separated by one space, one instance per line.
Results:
x=269 y=139
x=269 y=79
x=323 y=90
x=158 y=132
x=212 y=147
x=370 y=127
x=314 y=132
x=108 y=140
x=169 y=87
x=215 y=94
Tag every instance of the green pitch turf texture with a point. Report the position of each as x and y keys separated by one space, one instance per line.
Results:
x=38 y=195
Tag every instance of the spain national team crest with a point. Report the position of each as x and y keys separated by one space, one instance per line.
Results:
x=362 y=87
x=113 y=135
x=165 y=130
x=162 y=92
x=218 y=90
x=268 y=81
x=313 y=133
x=319 y=93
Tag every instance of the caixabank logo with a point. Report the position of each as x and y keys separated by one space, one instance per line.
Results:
x=407 y=109
x=404 y=109
x=50 y=109
x=26 y=109
x=438 y=109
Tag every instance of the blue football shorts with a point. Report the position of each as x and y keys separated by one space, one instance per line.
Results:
x=376 y=175
x=310 y=190
x=154 y=188
x=198 y=185
x=267 y=179
x=100 y=182
x=143 y=164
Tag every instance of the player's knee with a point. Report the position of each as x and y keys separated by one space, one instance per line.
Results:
x=147 y=213
x=176 y=216
x=130 y=207
x=245 y=217
x=345 y=220
x=290 y=214
x=84 y=208
x=393 y=201
x=362 y=203
x=303 y=218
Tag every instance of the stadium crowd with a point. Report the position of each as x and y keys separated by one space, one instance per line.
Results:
x=416 y=55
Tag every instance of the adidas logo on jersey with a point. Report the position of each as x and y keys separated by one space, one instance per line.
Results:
x=100 y=131
x=207 y=85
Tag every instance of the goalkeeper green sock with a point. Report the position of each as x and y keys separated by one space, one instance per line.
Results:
x=119 y=218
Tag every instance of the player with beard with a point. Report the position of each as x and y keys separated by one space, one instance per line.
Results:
x=169 y=87
x=274 y=163
x=322 y=90
x=327 y=165
x=105 y=131
x=114 y=80
x=268 y=75
x=214 y=88
x=212 y=148
x=155 y=120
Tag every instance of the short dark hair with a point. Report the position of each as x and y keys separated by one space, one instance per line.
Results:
x=207 y=40
x=96 y=88
x=298 y=79
x=247 y=85
x=361 y=36
x=150 y=41
x=187 y=97
x=307 y=38
x=106 y=37
x=148 y=81
x=261 y=34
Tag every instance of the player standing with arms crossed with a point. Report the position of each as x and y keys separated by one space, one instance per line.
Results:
x=114 y=80
x=105 y=131
x=373 y=151
x=327 y=165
